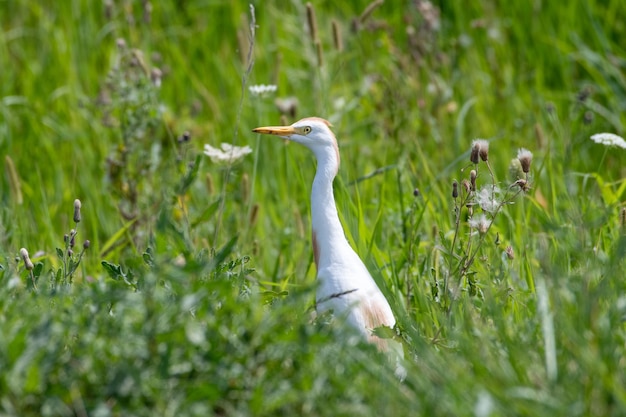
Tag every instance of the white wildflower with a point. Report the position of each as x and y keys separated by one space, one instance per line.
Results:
x=609 y=139
x=228 y=154
x=480 y=223
x=262 y=89
x=487 y=198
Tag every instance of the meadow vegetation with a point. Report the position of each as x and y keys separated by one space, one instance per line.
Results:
x=138 y=276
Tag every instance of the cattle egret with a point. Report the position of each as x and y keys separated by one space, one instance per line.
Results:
x=345 y=285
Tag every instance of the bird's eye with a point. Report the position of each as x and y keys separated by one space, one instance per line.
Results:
x=306 y=130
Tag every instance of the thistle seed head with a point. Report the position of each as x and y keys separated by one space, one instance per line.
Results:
x=474 y=153
x=525 y=158
x=480 y=148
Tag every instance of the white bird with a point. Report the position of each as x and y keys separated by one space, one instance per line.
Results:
x=345 y=285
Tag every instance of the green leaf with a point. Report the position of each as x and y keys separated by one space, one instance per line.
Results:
x=207 y=213
x=37 y=269
x=60 y=253
x=384 y=332
x=148 y=257
x=114 y=271
x=226 y=250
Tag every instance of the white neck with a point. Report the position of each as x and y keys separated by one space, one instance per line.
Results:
x=327 y=229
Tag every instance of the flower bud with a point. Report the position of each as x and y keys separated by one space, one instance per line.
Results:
x=473 y=179
x=28 y=264
x=77 y=206
x=455 y=189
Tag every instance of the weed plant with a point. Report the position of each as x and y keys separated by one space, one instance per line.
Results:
x=141 y=276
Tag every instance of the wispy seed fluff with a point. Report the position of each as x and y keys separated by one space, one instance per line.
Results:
x=480 y=223
x=480 y=148
x=525 y=158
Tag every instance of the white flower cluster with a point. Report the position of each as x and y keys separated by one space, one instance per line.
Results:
x=609 y=139
x=262 y=89
x=228 y=154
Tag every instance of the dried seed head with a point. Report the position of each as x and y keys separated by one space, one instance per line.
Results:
x=72 y=237
x=77 y=206
x=310 y=14
x=455 y=189
x=480 y=148
x=28 y=264
x=474 y=153
x=525 y=158
x=509 y=252
x=337 y=41
x=523 y=184
x=254 y=214
x=185 y=137
x=369 y=10
x=287 y=106
x=484 y=150
x=156 y=75
x=583 y=94
x=320 y=53
x=473 y=179
x=147 y=12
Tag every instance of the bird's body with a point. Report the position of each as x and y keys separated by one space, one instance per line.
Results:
x=345 y=285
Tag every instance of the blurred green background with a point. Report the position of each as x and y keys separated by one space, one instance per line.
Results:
x=203 y=304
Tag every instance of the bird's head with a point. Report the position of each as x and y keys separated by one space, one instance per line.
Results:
x=312 y=132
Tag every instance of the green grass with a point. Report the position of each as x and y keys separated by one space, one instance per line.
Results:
x=195 y=295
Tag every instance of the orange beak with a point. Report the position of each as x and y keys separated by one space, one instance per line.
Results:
x=276 y=130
